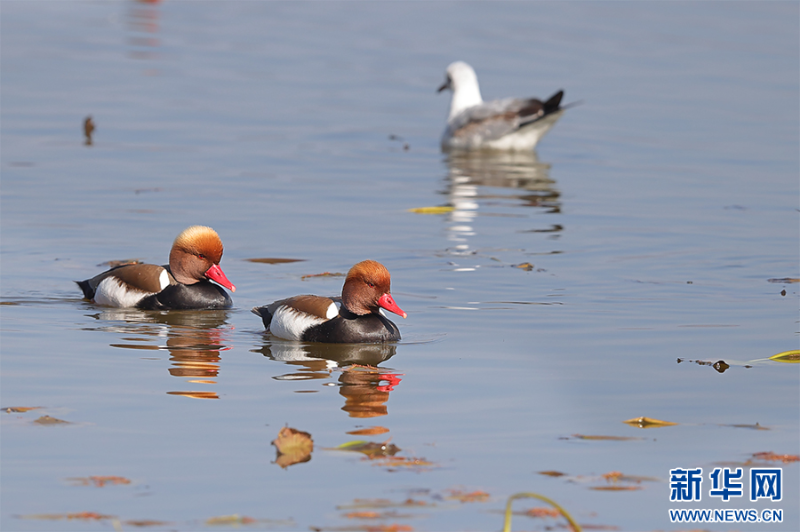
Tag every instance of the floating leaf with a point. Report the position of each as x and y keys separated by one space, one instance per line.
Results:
x=234 y=519
x=606 y=438
x=293 y=447
x=402 y=462
x=784 y=280
x=196 y=395
x=370 y=449
x=472 y=496
x=742 y=426
x=383 y=503
x=787 y=356
x=369 y=431
x=274 y=260
x=11 y=409
x=648 y=422
x=146 y=522
x=527 y=266
x=82 y=516
x=99 y=481
x=363 y=515
x=441 y=209
x=323 y=274
x=552 y=473
x=615 y=488
x=772 y=457
x=47 y=420
x=541 y=512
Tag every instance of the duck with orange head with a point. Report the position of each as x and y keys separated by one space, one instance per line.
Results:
x=355 y=317
x=186 y=283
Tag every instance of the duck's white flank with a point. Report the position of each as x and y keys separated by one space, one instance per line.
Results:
x=289 y=323
x=112 y=292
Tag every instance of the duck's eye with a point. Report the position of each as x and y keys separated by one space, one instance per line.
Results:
x=201 y=256
x=370 y=284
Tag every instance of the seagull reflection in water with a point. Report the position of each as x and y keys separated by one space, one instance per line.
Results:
x=468 y=171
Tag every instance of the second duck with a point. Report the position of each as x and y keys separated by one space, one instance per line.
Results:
x=355 y=317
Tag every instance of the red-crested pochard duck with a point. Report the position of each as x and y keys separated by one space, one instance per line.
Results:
x=184 y=284
x=355 y=317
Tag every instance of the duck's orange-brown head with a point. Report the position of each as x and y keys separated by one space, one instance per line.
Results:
x=195 y=256
x=367 y=289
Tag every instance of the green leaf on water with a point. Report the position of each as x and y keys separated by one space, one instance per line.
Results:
x=440 y=209
x=648 y=422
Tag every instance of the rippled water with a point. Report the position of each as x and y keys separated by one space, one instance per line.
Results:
x=559 y=293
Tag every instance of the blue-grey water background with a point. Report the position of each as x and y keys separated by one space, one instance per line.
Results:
x=653 y=217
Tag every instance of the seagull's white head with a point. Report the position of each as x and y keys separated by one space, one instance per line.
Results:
x=461 y=79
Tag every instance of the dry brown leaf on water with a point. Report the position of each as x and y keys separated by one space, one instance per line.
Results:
x=196 y=395
x=603 y=438
x=19 y=409
x=396 y=463
x=648 y=422
x=365 y=528
x=615 y=488
x=369 y=431
x=273 y=260
x=323 y=274
x=394 y=527
x=382 y=503
x=552 y=473
x=141 y=523
x=362 y=515
x=472 y=496
x=373 y=515
x=527 y=266
x=540 y=512
x=746 y=426
x=99 y=481
x=293 y=447
x=784 y=280
x=48 y=420
x=769 y=456
x=82 y=516
x=612 y=476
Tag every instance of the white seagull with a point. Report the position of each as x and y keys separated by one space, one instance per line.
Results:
x=508 y=124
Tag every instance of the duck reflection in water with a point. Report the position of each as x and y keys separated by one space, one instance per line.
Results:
x=469 y=171
x=364 y=386
x=194 y=339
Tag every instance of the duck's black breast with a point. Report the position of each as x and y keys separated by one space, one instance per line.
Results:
x=198 y=296
x=347 y=328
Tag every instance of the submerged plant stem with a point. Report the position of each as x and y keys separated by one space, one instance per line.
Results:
x=528 y=494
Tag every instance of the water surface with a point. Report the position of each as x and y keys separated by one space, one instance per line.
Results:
x=566 y=290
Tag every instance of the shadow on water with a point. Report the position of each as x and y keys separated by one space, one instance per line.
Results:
x=470 y=173
x=364 y=386
x=194 y=339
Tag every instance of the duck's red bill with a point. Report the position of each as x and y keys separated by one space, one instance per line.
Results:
x=386 y=301
x=216 y=274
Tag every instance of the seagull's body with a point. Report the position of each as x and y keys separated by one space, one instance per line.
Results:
x=508 y=124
